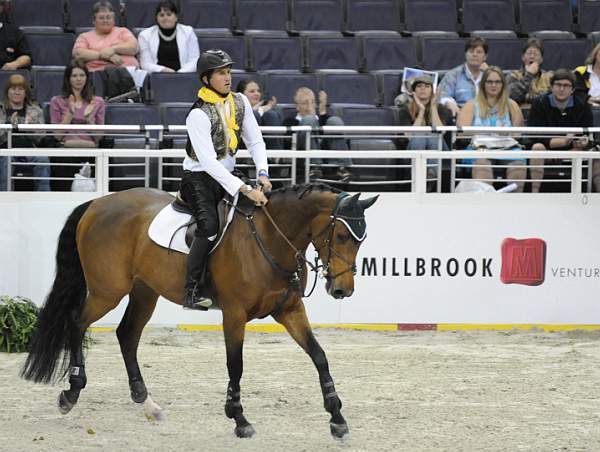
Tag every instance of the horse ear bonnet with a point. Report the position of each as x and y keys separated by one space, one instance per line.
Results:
x=349 y=211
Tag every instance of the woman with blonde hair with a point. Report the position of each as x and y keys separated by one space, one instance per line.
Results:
x=493 y=108
x=587 y=78
x=17 y=107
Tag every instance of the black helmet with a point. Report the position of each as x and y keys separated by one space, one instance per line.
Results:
x=212 y=59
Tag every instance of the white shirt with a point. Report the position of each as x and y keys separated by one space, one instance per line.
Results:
x=198 y=126
x=594 y=83
x=187 y=45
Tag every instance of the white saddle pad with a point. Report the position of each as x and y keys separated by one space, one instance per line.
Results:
x=168 y=220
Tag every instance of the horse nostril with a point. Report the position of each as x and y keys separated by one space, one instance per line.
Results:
x=339 y=293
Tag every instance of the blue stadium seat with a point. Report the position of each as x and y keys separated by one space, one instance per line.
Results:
x=506 y=53
x=261 y=15
x=235 y=46
x=316 y=15
x=425 y=15
x=390 y=87
x=47 y=83
x=349 y=88
x=274 y=53
x=50 y=49
x=206 y=14
x=367 y=116
x=328 y=52
x=283 y=85
x=589 y=16
x=42 y=13
x=488 y=15
x=443 y=54
x=179 y=87
x=565 y=53
x=373 y=15
x=140 y=13
x=79 y=13
x=387 y=52
x=536 y=15
x=131 y=114
x=174 y=113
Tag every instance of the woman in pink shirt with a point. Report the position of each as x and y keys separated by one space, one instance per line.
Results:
x=106 y=45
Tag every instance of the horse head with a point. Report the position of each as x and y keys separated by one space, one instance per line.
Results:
x=340 y=236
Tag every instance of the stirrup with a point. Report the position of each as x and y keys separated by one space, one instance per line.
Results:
x=195 y=301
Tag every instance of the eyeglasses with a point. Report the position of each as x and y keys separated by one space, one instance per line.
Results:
x=493 y=82
x=563 y=85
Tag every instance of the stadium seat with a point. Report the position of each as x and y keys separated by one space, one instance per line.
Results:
x=329 y=52
x=372 y=15
x=425 y=15
x=389 y=87
x=130 y=114
x=38 y=13
x=316 y=15
x=349 y=88
x=565 y=53
x=367 y=116
x=274 y=53
x=140 y=13
x=79 y=13
x=261 y=15
x=175 y=113
x=283 y=85
x=206 y=14
x=179 y=87
x=47 y=83
x=589 y=16
x=506 y=53
x=50 y=49
x=235 y=46
x=443 y=54
x=488 y=15
x=536 y=15
x=387 y=52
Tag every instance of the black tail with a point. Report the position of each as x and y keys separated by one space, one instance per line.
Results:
x=57 y=332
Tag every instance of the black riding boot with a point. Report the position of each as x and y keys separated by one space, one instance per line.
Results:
x=194 y=296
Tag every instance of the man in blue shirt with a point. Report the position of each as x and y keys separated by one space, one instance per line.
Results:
x=460 y=84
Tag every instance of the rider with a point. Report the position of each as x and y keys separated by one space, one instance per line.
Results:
x=215 y=124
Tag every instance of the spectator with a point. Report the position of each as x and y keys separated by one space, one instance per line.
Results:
x=14 y=51
x=264 y=111
x=587 y=78
x=530 y=81
x=423 y=110
x=306 y=115
x=168 y=46
x=106 y=45
x=77 y=105
x=18 y=108
x=493 y=108
x=559 y=108
x=460 y=84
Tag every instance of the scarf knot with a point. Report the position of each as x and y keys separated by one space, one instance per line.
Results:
x=209 y=96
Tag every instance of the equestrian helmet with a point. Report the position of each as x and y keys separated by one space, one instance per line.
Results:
x=212 y=59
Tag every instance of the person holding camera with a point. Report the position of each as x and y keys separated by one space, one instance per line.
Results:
x=559 y=108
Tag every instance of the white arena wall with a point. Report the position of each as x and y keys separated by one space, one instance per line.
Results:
x=428 y=258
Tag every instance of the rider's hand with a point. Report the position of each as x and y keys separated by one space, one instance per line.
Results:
x=258 y=197
x=265 y=183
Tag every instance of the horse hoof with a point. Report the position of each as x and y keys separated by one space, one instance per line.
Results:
x=246 y=431
x=339 y=431
x=64 y=406
x=153 y=411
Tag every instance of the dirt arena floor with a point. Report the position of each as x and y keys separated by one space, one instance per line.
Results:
x=402 y=391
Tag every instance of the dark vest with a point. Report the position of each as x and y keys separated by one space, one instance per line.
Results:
x=217 y=128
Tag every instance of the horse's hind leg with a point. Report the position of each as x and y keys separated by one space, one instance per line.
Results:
x=142 y=301
x=296 y=323
x=95 y=308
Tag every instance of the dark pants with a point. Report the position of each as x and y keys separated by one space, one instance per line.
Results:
x=203 y=194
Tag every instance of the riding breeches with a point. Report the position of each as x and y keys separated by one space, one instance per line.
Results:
x=203 y=194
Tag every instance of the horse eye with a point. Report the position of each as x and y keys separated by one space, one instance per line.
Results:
x=342 y=238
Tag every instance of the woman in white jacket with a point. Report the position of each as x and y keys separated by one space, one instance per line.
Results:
x=168 y=46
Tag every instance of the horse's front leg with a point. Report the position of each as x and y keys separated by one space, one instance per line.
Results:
x=296 y=323
x=233 y=327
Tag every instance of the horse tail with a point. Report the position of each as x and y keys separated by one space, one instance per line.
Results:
x=57 y=332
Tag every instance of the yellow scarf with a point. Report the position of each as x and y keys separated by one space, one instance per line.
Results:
x=209 y=96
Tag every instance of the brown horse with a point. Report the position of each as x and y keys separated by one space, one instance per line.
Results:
x=104 y=253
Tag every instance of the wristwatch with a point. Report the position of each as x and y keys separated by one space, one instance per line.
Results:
x=245 y=189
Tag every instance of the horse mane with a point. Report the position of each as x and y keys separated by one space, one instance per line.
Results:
x=301 y=190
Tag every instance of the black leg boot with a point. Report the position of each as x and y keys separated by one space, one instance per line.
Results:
x=194 y=297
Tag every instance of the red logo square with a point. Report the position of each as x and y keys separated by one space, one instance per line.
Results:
x=523 y=261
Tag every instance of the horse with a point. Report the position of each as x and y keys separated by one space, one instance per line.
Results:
x=259 y=269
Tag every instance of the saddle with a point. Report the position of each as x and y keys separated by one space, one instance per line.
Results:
x=223 y=209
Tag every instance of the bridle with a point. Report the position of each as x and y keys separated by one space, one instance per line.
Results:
x=320 y=270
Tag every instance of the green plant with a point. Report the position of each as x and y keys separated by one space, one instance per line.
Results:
x=18 y=316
